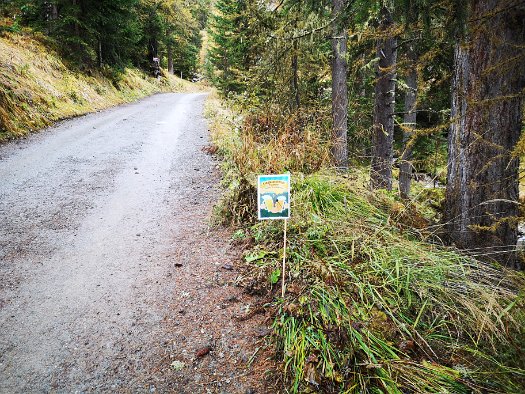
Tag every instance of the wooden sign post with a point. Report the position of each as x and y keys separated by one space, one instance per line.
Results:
x=284 y=257
x=273 y=199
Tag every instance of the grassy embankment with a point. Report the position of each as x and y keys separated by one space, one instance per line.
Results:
x=371 y=305
x=37 y=88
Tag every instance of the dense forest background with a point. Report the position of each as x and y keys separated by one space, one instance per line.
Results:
x=410 y=86
x=116 y=34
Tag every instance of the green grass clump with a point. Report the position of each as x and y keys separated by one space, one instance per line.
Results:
x=379 y=310
x=371 y=306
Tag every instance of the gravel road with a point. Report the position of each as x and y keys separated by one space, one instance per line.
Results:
x=92 y=213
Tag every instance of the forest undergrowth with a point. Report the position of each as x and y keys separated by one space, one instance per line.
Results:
x=37 y=86
x=374 y=303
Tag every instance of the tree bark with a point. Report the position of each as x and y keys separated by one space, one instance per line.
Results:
x=51 y=16
x=339 y=89
x=99 y=53
x=487 y=102
x=54 y=12
x=75 y=25
x=295 y=76
x=170 y=59
x=409 y=123
x=77 y=48
x=383 y=129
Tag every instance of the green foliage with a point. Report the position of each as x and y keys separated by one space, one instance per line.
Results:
x=275 y=276
x=229 y=30
x=116 y=33
x=272 y=57
x=371 y=305
x=381 y=311
x=37 y=88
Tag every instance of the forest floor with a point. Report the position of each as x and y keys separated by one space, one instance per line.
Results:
x=111 y=277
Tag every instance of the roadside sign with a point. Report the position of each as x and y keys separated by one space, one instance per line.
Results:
x=273 y=196
x=273 y=202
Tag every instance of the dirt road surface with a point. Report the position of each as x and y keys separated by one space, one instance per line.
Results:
x=111 y=279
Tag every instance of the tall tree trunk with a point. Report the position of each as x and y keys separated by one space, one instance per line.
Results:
x=383 y=131
x=339 y=88
x=54 y=12
x=78 y=15
x=51 y=16
x=409 y=123
x=482 y=179
x=295 y=76
x=99 y=53
x=295 y=65
x=77 y=47
x=170 y=59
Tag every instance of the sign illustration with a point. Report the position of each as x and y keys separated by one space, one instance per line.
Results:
x=273 y=196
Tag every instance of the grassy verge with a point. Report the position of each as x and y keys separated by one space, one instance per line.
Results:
x=371 y=305
x=37 y=88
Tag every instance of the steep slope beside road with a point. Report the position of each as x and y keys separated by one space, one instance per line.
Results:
x=37 y=87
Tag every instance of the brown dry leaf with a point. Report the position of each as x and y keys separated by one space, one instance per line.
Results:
x=311 y=374
x=202 y=351
x=406 y=346
x=210 y=149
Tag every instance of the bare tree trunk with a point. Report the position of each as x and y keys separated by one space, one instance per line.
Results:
x=295 y=77
x=54 y=12
x=76 y=27
x=170 y=59
x=51 y=16
x=482 y=179
x=77 y=47
x=339 y=89
x=383 y=133
x=409 y=123
x=99 y=53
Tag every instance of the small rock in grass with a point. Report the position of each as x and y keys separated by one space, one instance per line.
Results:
x=262 y=331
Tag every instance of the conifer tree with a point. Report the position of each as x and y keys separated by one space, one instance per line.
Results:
x=339 y=87
x=487 y=104
x=231 y=42
x=383 y=131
